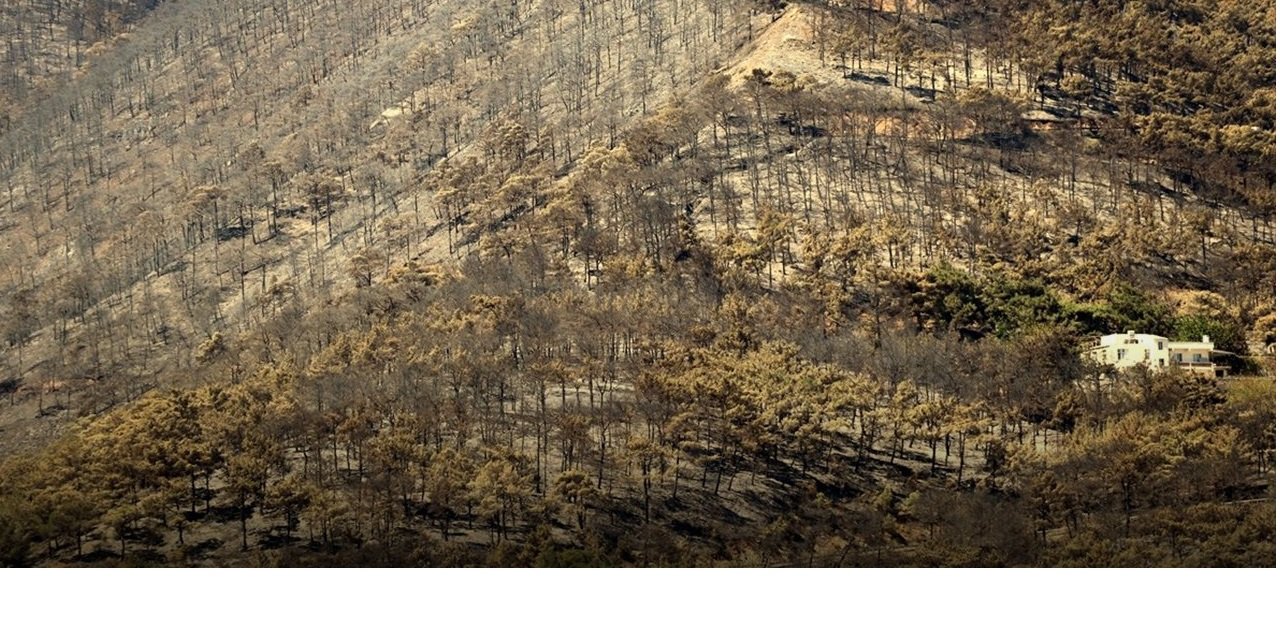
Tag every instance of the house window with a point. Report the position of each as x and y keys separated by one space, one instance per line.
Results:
x=1178 y=356
x=1119 y=354
x=1160 y=346
x=1161 y=361
x=1197 y=356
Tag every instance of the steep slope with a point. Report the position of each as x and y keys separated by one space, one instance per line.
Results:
x=817 y=303
x=909 y=165
x=227 y=157
x=43 y=41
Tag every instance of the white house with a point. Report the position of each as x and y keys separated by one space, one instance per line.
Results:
x=1124 y=350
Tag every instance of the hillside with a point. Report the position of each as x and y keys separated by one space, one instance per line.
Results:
x=195 y=173
x=45 y=41
x=634 y=283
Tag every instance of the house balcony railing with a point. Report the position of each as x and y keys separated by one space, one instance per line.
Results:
x=1203 y=368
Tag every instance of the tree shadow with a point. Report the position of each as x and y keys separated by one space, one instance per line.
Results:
x=204 y=548
x=857 y=76
x=276 y=538
x=226 y=514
